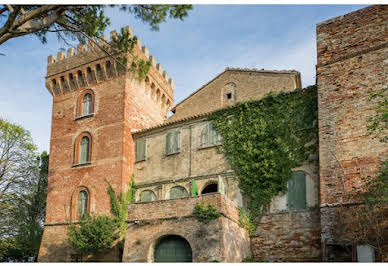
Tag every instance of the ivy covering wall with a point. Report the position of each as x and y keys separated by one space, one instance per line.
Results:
x=264 y=139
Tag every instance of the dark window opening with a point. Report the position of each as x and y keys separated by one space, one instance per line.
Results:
x=339 y=253
x=229 y=96
x=211 y=188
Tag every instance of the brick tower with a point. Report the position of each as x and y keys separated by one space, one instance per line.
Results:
x=95 y=108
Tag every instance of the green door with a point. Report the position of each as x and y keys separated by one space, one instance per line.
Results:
x=173 y=249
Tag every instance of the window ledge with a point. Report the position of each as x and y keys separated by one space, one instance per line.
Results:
x=84 y=116
x=81 y=164
x=173 y=153
x=209 y=146
x=139 y=161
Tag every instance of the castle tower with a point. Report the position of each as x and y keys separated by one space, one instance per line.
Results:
x=95 y=108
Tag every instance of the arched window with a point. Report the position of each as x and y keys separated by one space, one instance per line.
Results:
x=210 y=136
x=147 y=196
x=84 y=150
x=178 y=192
x=210 y=188
x=87 y=104
x=296 y=195
x=82 y=204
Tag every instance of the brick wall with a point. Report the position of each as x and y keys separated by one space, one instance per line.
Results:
x=122 y=104
x=352 y=51
x=288 y=236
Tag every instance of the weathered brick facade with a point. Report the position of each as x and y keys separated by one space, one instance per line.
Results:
x=352 y=64
x=121 y=104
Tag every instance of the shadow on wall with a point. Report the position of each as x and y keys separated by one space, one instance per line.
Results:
x=63 y=253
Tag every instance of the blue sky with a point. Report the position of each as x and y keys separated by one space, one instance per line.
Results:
x=192 y=51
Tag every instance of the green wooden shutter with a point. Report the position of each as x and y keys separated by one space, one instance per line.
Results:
x=168 y=143
x=140 y=149
x=176 y=141
x=296 y=196
x=205 y=136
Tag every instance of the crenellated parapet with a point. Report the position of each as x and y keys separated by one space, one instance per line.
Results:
x=91 y=64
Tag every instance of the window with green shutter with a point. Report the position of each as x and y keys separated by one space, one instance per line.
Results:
x=210 y=136
x=140 y=150
x=296 y=195
x=172 y=142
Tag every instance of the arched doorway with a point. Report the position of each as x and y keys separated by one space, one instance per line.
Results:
x=210 y=188
x=172 y=248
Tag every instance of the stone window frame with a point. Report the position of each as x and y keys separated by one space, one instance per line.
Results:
x=209 y=182
x=74 y=200
x=229 y=88
x=181 y=186
x=77 y=146
x=144 y=190
x=79 y=104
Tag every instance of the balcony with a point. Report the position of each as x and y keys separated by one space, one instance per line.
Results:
x=182 y=207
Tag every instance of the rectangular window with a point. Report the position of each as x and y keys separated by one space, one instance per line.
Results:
x=140 y=150
x=296 y=195
x=173 y=142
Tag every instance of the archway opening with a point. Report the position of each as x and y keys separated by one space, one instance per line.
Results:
x=173 y=248
x=211 y=188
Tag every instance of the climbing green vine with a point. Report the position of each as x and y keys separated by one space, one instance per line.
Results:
x=264 y=139
x=205 y=214
x=119 y=206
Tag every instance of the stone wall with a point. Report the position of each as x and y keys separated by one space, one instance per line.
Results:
x=243 y=84
x=192 y=160
x=352 y=54
x=219 y=240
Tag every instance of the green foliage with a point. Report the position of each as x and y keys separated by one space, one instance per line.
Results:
x=378 y=124
x=205 y=214
x=156 y=14
x=119 y=206
x=93 y=235
x=264 y=139
x=76 y=22
x=377 y=188
x=23 y=191
x=245 y=220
